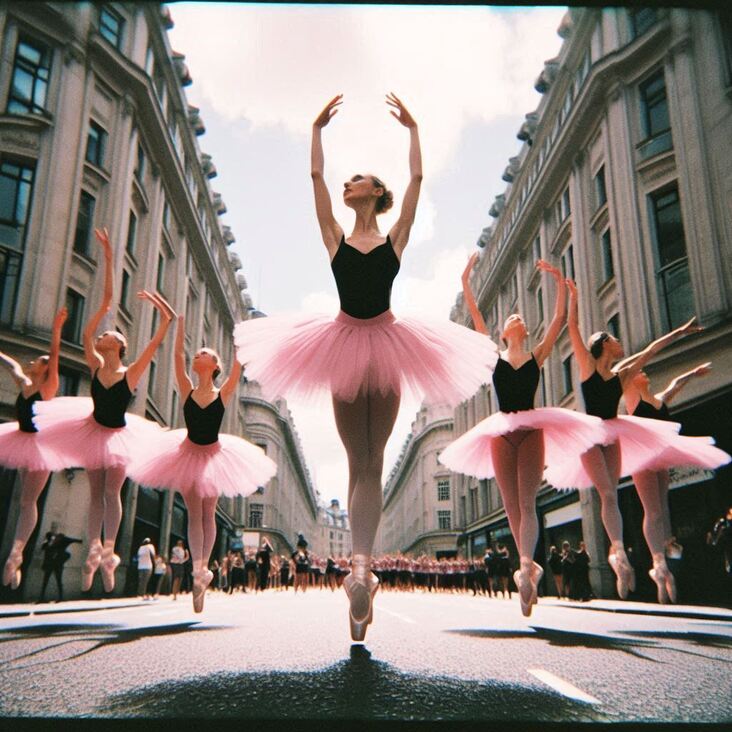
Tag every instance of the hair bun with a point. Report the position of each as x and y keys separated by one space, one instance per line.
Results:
x=385 y=202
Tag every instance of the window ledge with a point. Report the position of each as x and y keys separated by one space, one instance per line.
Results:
x=606 y=286
x=85 y=261
x=139 y=194
x=27 y=120
x=599 y=217
x=130 y=259
x=100 y=174
x=125 y=313
x=564 y=233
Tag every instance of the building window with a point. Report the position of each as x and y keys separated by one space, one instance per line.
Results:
x=96 y=142
x=567 y=376
x=443 y=490
x=484 y=496
x=139 y=171
x=600 y=189
x=29 y=84
x=84 y=223
x=16 y=190
x=672 y=268
x=68 y=382
x=608 y=270
x=173 y=407
x=474 y=512
x=641 y=20
x=256 y=512
x=725 y=26
x=111 y=24
x=149 y=60
x=463 y=514
x=166 y=216
x=537 y=248
x=71 y=330
x=542 y=383
x=568 y=262
x=125 y=291
x=154 y=323
x=443 y=520
x=613 y=326
x=160 y=281
x=539 y=306
x=654 y=105
x=151 y=379
x=131 y=234
x=566 y=208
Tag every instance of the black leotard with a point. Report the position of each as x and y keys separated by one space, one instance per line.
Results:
x=364 y=280
x=602 y=397
x=24 y=411
x=110 y=404
x=203 y=423
x=644 y=409
x=515 y=388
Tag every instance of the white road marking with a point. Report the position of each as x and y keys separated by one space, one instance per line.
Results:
x=396 y=615
x=563 y=687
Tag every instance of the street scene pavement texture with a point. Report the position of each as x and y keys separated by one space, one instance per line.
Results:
x=426 y=657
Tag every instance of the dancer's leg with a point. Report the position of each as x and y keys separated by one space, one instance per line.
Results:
x=505 y=465
x=94 y=527
x=194 y=506
x=114 y=478
x=530 y=460
x=209 y=527
x=602 y=463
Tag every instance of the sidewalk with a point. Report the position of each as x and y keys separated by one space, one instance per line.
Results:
x=68 y=606
x=701 y=612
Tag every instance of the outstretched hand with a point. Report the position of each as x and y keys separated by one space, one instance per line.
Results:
x=328 y=112
x=60 y=318
x=571 y=287
x=469 y=266
x=690 y=327
x=702 y=369
x=102 y=236
x=159 y=302
x=546 y=267
x=403 y=115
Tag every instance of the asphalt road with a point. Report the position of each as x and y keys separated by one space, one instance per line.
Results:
x=279 y=656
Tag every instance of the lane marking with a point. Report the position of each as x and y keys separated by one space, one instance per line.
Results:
x=563 y=687
x=396 y=615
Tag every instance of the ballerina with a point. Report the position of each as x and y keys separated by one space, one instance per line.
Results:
x=514 y=444
x=631 y=442
x=19 y=448
x=97 y=433
x=652 y=483
x=197 y=461
x=365 y=357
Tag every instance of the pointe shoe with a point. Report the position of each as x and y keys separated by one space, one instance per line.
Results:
x=11 y=571
x=618 y=560
x=110 y=562
x=665 y=582
x=536 y=574
x=360 y=575
x=93 y=560
x=525 y=591
x=201 y=580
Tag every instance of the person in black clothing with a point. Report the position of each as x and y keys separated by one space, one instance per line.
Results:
x=554 y=560
x=503 y=570
x=55 y=553
x=301 y=558
x=284 y=572
x=722 y=538
x=489 y=562
x=582 y=588
x=264 y=556
x=567 y=569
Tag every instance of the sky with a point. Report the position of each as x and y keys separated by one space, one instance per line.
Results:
x=262 y=73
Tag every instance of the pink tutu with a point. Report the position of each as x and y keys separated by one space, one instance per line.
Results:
x=75 y=439
x=439 y=361
x=566 y=432
x=22 y=450
x=687 y=451
x=641 y=441
x=230 y=467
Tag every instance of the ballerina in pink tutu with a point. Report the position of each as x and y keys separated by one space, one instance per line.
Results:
x=97 y=433
x=514 y=444
x=19 y=448
x=197 y=461
x=631 y=442
x=652 y=483
x=365 y=357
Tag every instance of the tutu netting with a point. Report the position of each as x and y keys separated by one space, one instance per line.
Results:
x=690 y=451
x=439 y=361
x=641 y=441
x=565 y=433
x=22 y=450
x=230 y=467
x=74 y=439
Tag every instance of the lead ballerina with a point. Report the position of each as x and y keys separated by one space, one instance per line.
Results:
x=197 y=461
x=365 y=357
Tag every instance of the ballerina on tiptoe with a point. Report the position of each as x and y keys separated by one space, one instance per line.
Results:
x=365 y=357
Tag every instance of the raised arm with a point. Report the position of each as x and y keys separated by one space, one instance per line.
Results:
x=584 y=358
x=475 y=314
x=232 y=381
x=631 y=365
x=136 y=369
x=185 y=385
x=399 y=233
x=50 y=387
x=15 y=370
x=677 y=384
x=329 y=227
x=93 y=358
x=544 y=348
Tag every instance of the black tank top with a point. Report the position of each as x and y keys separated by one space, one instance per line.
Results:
x=515 y=388
x=203 y=423
x=110 y=404
x=24 y=411
x=602 y=397
x=647 y=410
x=364 y=280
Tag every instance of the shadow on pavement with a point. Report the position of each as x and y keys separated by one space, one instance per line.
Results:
x=704 y=640
x=563 y=638
x=100 y=635
x=359 y=688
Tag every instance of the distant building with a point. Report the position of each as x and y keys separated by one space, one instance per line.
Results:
x=334 y=531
